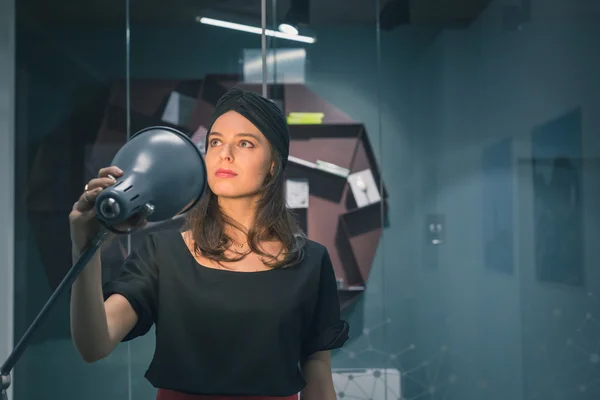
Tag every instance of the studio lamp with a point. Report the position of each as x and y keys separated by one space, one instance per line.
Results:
x=164 y=175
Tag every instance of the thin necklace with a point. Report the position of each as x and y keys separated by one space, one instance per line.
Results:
x=240 y=245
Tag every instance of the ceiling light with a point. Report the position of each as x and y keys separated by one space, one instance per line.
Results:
x=289 y=29
x=254 y=29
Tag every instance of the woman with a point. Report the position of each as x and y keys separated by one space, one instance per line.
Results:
x=244 y=305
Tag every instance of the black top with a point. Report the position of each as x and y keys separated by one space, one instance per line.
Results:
x=221 y=332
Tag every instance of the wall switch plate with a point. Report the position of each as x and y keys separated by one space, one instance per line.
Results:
x=436 y=229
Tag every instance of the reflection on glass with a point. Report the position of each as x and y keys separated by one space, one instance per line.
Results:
x=182 y=61
x=328 y=91
x=467 y=133
x=483 y=114
x=66 y=54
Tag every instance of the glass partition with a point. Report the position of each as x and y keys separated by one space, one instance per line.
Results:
x=447 y=156
x=329 y=80
x=490 y=132
x=324 y=78
x=183 y=57
x=68 y=55
x=330 y=90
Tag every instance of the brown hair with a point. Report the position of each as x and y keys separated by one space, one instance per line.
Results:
x=274 y=221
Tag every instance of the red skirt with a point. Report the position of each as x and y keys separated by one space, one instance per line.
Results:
x=164 y=394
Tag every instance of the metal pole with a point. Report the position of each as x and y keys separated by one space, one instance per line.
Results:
x=381 y=191
x=263 y=17
x=273 y=41
x=128 y=136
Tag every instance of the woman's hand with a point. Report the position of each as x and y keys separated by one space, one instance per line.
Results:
x=82 y=219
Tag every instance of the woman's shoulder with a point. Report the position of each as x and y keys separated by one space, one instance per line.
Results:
x=160 y=236
x=315 y=253
x=155 y=240
x=315 y=248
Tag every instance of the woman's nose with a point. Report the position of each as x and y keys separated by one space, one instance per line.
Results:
x=226 y=153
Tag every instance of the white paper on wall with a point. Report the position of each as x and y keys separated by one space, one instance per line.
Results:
x=297 y=193
x=179 y=109
x=364 y=188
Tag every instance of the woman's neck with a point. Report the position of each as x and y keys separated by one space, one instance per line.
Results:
x=242 y=211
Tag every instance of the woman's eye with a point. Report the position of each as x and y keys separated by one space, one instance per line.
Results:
x=214 y=142
x=245 y=143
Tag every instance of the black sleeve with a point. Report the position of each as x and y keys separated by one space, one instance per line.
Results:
x=327 y=331
x=138 y=283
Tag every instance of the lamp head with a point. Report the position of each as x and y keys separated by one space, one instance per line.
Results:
x=164 y=175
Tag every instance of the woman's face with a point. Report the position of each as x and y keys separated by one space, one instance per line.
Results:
x=238 y=157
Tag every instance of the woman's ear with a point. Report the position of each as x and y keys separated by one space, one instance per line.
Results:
x=272 y=168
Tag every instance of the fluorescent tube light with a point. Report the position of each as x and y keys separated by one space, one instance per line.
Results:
x=253 y=29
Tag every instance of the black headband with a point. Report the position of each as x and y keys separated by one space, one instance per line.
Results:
x=263 y=113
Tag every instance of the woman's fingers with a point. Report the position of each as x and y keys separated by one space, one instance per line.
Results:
x=112 y=170
x=87 y=199
x=100 y=183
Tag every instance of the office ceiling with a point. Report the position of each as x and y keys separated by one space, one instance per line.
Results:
x=322 y=12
